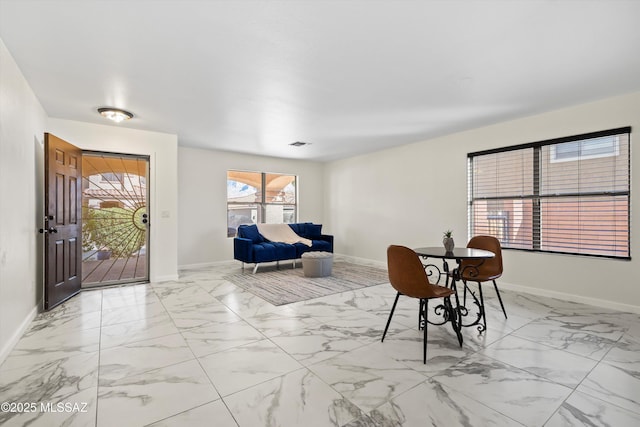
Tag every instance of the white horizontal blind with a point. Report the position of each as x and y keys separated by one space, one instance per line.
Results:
x=502 y=192
x=569 y=195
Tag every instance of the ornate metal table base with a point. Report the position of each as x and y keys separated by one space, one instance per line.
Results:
x=452 y=277
x=444 y=310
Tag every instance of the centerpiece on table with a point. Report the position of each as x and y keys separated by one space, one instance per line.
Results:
x=447 y=241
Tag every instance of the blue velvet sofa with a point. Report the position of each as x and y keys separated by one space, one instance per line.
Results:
x=249 y=246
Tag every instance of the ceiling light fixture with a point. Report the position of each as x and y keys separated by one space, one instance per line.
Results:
x=115 y=114
x=299 y=144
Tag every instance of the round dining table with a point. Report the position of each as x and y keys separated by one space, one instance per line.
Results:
x=472 y=258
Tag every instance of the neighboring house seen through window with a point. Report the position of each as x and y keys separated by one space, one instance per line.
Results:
x=606 y=146
x=260 y=197
x=568 y=195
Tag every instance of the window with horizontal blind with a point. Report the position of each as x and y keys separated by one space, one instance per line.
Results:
x=568 y=195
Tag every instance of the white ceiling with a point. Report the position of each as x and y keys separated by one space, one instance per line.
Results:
x=347 y=76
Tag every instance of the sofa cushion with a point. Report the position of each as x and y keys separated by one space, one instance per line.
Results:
x=273 y=251
x=321 y=245
x=264 y=252
x=284 y=250
x=250 y=232
x=307 y=229
x=314 y=230
x=318 y=245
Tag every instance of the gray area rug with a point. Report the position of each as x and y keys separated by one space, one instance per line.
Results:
x=289 y=285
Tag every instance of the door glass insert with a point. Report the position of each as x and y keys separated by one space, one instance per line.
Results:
x=115 y=220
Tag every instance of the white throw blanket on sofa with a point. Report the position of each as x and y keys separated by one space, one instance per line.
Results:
x=281 y=233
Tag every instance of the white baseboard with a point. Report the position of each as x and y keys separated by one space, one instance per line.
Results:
x=207 y=264
x=169 y=278
x=571 y=297
x=13 y=340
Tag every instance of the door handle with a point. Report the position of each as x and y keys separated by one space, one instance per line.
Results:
x=48 y=218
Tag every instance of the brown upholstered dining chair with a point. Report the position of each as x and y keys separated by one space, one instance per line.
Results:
x=489 y=270
x=408 y=277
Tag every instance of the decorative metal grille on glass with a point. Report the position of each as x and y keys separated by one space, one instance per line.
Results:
x=114 y=219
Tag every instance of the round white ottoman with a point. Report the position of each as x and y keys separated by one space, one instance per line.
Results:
x=317 y=264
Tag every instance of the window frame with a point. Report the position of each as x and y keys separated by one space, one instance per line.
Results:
x=537 y=198
x=262 y=204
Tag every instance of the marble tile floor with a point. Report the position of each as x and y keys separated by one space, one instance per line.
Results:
x=201 y=352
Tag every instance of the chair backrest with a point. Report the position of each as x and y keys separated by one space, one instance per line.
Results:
x=492 y=267
x=406 y=272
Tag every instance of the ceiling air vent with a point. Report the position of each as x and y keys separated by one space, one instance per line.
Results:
x=299 y=143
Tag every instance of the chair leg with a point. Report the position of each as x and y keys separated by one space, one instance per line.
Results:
x=499 y=298
x=425 y=312
x=390 y=316
x=482 y=309
x=421 y=314
x=424 y=342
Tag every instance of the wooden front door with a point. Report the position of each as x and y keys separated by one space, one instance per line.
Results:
x=63 y=222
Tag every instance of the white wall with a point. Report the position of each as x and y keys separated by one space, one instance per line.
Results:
x=202 y=199
x=411 y=194
x=162 y=149
x=22 y=124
